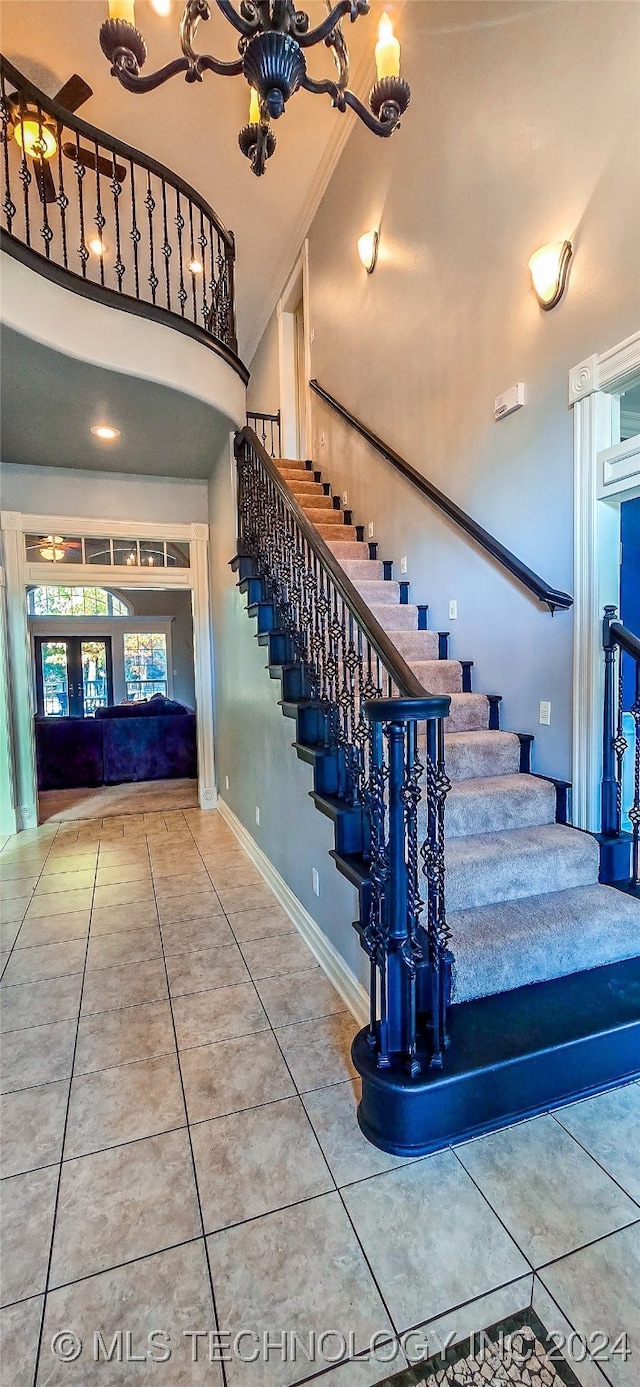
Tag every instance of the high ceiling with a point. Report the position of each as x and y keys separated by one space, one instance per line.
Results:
x=194 y=129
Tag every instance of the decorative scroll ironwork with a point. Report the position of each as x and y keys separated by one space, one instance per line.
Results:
x=84 y=210
x=387 y=744
x=618 y=642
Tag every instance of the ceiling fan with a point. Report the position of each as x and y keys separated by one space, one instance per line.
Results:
x=38 y=134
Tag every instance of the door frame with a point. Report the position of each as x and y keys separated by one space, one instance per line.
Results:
x=77 y=641
x=20 y=575
x=295 y=435
x=593 y=385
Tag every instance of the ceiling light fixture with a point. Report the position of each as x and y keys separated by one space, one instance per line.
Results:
x=105 y=432
x=52 y=548
x=195 y=267
x=35 y=135
x=97 y=246
x=549 y=268
x=272 y=43
x=368 y=250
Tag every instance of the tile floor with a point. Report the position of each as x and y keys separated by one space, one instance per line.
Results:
x=180 y=1148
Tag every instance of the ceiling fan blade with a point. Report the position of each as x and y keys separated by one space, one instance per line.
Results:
x=74 y=93
x=93 y=161
x=44 y=180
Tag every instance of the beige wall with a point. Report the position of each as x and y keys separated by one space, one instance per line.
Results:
x=263 y=391
x=523 y=128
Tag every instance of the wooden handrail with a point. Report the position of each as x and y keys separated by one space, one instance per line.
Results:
x=554 y=599
x=435 y=705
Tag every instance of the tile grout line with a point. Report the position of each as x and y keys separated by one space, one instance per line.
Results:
x=590 y=1154
x=45 y=1292
x=194 y=1171
x=37 y=883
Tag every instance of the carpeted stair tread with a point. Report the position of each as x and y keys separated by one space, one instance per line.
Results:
x=346 y=532
x=324 y=517
x=302 y=487
x=489 y=867
x=417 y=645
x=312 y=504
x=348 y=550
x=500 y=947
x=395 y=618
x=492 y=804
x=363 y=570
x=438 y=676
x=290 y=465
x=474 y=755
x=377 y=592
x=469 y=712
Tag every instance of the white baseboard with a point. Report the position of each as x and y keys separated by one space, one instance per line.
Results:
x=353 y=994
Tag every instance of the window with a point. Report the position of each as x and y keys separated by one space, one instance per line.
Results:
x=64 y=601
x=145 y=664
x=130 y=553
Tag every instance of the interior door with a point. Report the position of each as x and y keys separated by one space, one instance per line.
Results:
x=73 y=675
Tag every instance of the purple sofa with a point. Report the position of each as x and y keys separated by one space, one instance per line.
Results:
x=137 y=741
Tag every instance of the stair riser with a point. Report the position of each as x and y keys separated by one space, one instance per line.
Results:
x=517 y=874
x=438 y=676
x=468 y=713
x=264 y=614
x=346 y=532
x=471 y=757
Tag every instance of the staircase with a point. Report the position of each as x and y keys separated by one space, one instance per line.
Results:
x=522 y=894
x=526 y=915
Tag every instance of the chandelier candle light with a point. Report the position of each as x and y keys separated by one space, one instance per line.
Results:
x=273 y=37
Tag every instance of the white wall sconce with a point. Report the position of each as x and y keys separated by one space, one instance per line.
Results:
x=368 y=250
x=549 y=268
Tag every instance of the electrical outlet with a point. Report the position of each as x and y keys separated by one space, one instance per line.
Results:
x=315 y=881
x=545 y=714
x=257 y=815
x=345 y=500
x=226 y=782
x=370 y=529
x=322 y=440
x=453 y=611
x=312 y=334
x=403 y=564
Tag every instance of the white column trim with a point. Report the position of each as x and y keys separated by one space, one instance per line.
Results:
x=203 y=670
x=21 y=682
x=592 y=384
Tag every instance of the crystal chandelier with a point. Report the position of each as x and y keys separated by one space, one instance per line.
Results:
x=272 y=43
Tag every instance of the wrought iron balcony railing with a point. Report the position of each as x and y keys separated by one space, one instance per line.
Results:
x=387 y=734
x=111 y=223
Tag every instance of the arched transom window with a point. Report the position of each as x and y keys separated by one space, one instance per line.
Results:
x=68 y=601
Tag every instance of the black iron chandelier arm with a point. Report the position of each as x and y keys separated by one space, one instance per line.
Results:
x=385 y=119
x=194 y=11
x=354 y=8
x=245 y=26
x=325 y=87
x=124 y=66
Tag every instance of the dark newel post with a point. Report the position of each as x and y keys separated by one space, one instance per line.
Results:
x=610 y=802
x=634 y=812
x=397 y=893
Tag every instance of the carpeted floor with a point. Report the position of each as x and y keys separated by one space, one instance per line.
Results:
x=517 y=1352
x=143 y=797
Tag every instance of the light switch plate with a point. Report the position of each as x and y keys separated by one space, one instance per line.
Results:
x=257 y=815
x=370 y=529
x=315 y=881
x=226 y=782
x=403 y=564
x=545 y=714
x=453 y=610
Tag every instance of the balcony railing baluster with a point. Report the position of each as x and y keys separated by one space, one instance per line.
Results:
x=179 y=222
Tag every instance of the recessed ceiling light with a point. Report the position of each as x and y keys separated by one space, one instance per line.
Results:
x=105 y=432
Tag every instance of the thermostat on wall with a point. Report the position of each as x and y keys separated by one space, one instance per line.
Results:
x=511 y=400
